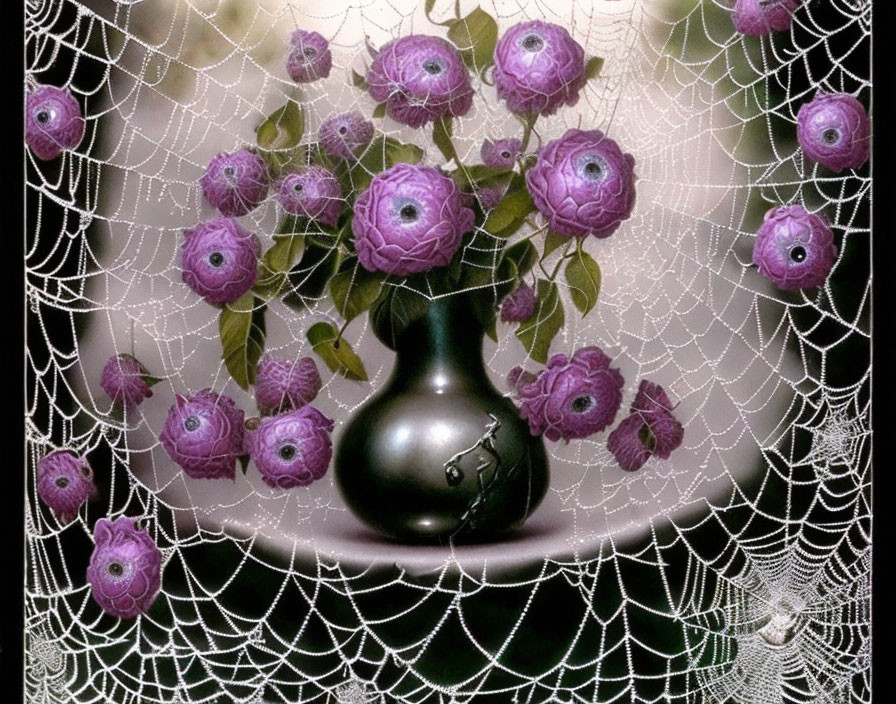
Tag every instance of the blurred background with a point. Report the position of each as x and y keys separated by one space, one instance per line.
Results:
x=736 y=571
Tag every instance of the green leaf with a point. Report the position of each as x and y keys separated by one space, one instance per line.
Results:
x=583 y=277
x=282 y=254
x=485 y=300
x=380 y=110
x=150 y=380
x=537 y=332
x=395 y=308
x=241 y=328
x=354 y=290
x=506 y=217
x=523 y=254
x=369 y=164
x=399 y=152
x=336 y=352
x=313 y=153
x=480 y=175
x=593 y=67
x=277 y=260
x=475 y=37
x=553 y=241
x=283 y=129
x=309 y=278
x=480 y=256
x=381 y=153
x=289 y=225
x=244 y=462
x=358 y=81
x=441 y=136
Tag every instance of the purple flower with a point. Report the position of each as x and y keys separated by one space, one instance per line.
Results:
x=410 y=219
x=760 y=17
x=572 y=398
x=124 y=380
x=64 y=482
x=235 y=183
x=53 y=122
x=583 y=184
x=519 y=377
x=490 y=196
x=835 y=130
x=794 y=249
x=293 y=448
x=538 y=68
x=420 y=78
x=220 y=260
x=314 y=193
x=280 y=383
x=519 y=305
x=125 y=571
x=203 y=434
x=501 y=152
x=345 y=136
x=309 y=57
x=650 y=429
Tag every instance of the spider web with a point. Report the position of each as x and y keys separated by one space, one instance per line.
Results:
x=738 y=571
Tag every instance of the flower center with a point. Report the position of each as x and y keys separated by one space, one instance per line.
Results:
x=287 y=452
x=115 y=569
x=432 y=67
x=191 y=424
x=593 y=169
x=298 y=187
x=505 y=154
x=408 y=212
x=583 y=404
x=43 y=116
x=62 y=482
x=343 y=129
x=216 y=259
x=798 y=254
x=229 y=173
x=830 y=135
x=533 y=42
x=309 y=52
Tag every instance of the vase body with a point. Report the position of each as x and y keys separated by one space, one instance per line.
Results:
x=439 y=453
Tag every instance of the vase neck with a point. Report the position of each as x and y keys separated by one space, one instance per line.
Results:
x=442 y=351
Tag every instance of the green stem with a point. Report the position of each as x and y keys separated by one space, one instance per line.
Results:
x=535 y=231
x=339 y=334
x=528 y=124
x=566 y=254
x=454 y=154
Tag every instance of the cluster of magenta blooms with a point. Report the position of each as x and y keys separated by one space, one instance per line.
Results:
x=412 y=219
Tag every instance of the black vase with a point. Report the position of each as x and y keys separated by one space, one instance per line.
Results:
x=439 y=454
